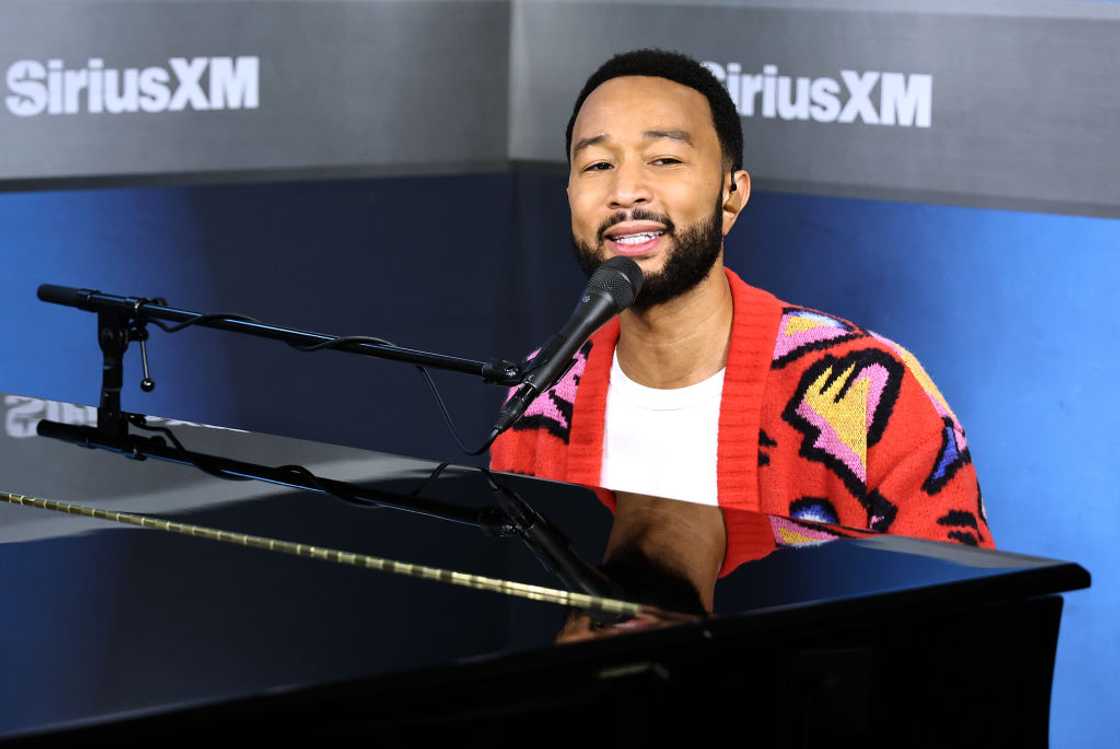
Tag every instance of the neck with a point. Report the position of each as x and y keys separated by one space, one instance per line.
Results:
x=681 y=342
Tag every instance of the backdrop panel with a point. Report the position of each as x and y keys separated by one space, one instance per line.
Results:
x=139 y=88
x=349 y=258
x=965 y=108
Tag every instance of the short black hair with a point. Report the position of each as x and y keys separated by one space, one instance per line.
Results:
x=679 y=68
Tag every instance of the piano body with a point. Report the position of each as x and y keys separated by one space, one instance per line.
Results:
x=117 y=634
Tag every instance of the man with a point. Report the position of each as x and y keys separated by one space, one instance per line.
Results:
x=709 y=390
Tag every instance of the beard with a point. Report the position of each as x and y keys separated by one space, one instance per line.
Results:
x=689 y=259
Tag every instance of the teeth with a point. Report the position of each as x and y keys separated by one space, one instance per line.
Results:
x=637 y=238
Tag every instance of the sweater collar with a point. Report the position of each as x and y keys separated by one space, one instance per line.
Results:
x=754 y=324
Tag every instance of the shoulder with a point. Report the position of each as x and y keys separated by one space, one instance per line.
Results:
x=827 y=368
x=809 y=339
x=845 y=402
x=803 y=331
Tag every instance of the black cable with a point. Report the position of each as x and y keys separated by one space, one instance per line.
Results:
x=197 y=319
x=335 y=343
x=342 y=341
x=140 y=422
x=350 y=499
x=431 y=477
x=448 y=420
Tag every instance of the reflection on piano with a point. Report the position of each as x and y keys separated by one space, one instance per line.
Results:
x=116 y=633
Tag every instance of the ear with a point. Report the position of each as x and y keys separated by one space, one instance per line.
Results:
x=735 y=200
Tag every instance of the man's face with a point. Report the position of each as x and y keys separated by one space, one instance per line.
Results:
x=646 y=182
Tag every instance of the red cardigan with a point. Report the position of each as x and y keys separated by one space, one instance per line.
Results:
x=820 y=420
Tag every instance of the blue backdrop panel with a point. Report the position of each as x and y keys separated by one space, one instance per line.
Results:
x=412 y=260
x=1012 y=314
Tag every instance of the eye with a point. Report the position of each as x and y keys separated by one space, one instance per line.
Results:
x=598 y=166
x=666 y=161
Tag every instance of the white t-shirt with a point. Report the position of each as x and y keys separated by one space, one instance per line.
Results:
x=662 y=442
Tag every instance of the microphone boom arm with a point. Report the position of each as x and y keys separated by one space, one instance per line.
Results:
x=498 y=372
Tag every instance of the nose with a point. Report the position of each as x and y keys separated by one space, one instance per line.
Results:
x=629 y=187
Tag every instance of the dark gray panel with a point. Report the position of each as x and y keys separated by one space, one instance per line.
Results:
x=1022 y=111
x=340 y=84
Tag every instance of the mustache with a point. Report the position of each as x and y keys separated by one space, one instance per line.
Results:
x=638 y=214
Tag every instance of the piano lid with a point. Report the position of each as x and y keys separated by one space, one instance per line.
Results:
x=104 y=618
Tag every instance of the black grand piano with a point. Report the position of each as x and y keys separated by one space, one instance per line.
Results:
x=199 y=582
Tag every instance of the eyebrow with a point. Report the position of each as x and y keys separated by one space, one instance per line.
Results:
x=678 y=135
x=681 y=135
x=585 y=142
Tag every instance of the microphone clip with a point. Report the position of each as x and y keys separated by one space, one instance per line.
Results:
x=115 y=330
x=503 y=372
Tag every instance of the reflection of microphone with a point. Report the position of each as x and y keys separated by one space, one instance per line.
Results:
x=553 y=549
x=612 y=288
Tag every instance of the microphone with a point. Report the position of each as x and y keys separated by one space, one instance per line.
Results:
x=67 y=296
x=611 y=289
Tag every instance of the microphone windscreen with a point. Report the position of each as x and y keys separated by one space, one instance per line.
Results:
x=621 y=278
x=64 y=295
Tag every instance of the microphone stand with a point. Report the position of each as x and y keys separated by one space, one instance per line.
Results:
x=121 y=320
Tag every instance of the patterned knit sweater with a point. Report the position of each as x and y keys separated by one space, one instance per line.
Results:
x=820 y=420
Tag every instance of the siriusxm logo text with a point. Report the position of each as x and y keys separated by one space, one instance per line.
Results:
x=200 y=83
x=903 y=100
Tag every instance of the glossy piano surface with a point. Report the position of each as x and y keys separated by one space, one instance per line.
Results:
x=104 y=619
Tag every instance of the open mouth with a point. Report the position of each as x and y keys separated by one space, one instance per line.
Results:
x=636 y=239
x=635 y=243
